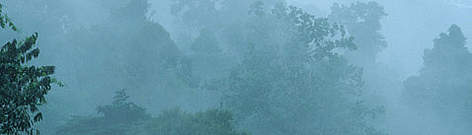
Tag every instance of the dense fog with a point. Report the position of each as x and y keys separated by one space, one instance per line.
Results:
x=236 y=67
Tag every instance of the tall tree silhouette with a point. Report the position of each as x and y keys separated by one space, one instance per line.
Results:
x=443 y=84
x=362 y=20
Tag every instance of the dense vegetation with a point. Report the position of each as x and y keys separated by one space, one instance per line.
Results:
x=218 y=67
x=443 y=84
x=23 y=86
x=126 y=118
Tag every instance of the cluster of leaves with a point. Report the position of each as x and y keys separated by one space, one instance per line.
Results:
x=316 y=35
x=23 y=87
x=362 y=20
x=5 y=21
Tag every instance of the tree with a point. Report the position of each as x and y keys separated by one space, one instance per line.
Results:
x=122 y=107
x=293 y=80
x=119 y=118
x=123 y=117
x=445 y=74
x=209 y=13
x=210 y=122
x=133 y=52
x=442 y=86
x=213 y=15
x=23 y=86
x=362 y=20
x=129 y=50
x=207 y=60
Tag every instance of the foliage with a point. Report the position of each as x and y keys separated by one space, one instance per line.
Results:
x=111 y=45
x=23 y=87
x=293 y=80
x=121 y=107
x=442 y=87
x=362 y=20
x=443 y=84
x=5 y=21
x=210 y=122
x=133 y=52
x=119 y=118
x=126 y=118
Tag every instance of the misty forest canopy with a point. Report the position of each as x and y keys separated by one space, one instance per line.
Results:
x=443 y=84
x=126 y=118
x=217 y=67
x=362 y=20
